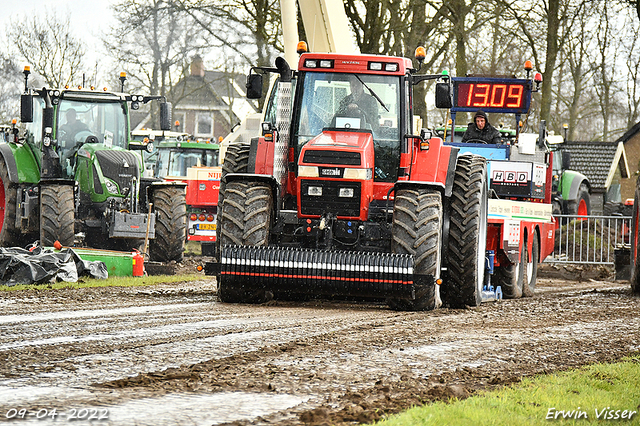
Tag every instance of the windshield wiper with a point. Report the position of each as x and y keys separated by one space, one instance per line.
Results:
x=372 y=92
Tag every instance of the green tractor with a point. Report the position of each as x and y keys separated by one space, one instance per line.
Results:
x=571 y=189
x=76 y=172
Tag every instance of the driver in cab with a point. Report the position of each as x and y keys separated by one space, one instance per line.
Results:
x=359 y=103
x=481 y=131
x=72 y=127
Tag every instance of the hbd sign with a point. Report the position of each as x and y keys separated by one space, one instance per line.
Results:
x=517 y=179
x=521 y=177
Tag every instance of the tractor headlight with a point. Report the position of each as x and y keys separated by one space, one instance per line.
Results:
x=315 y=191
x=111 y=186
x=345 y=193
x=308 y=171
x=358 y=174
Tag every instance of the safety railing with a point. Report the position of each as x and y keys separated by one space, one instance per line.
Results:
x=590 y=239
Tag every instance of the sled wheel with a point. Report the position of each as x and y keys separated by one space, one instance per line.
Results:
x=507 y=276
x=529 y=266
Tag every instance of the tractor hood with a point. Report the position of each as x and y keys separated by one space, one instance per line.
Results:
x=335 y=175
x=353 y=148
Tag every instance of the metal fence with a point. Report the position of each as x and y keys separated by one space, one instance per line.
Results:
x=590 y=239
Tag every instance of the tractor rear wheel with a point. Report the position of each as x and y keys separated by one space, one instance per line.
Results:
x=171 y=224
x=236 y=160
x=9 y=233
x=529 y=267
x=417 y=230
x=467 y=234
x=245 y=219
x=581 y=206
x=507 y=276
x=57 y=215
x=635 y=242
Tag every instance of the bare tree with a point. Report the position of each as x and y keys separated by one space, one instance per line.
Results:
x=10 y=88
x=154 y=42
x=249 y=28
x=50 y=48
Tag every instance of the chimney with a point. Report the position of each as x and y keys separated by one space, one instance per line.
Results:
x=197 y=66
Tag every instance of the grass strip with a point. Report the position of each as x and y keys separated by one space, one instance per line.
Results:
x=595 y=394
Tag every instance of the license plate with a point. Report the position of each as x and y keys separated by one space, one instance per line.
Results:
x=207 y=226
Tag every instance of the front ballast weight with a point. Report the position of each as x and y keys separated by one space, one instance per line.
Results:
x=318 y=272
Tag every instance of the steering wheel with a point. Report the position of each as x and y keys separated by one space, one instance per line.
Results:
x=475 y=141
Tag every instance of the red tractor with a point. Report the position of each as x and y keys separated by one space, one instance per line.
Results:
x=340 y=196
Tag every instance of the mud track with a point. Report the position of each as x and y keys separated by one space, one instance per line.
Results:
x=173 y=355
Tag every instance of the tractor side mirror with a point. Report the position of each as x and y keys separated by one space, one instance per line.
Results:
x=254 y=86
x=165 y=116
x=444 y=95
x=26 y=108
x=566 y=160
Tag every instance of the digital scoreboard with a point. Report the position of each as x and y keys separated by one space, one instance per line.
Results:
x=491 y=94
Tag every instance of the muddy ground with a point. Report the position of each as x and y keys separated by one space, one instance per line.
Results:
x=171 y=354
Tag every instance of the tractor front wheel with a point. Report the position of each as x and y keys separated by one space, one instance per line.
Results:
x=417 y=230
x=245 y=219
x=57 y=215
x=9 y=233
x=171 y=224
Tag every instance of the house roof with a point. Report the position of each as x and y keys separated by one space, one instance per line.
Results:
x=598 y=161
x=629 y=133
x=214 y=90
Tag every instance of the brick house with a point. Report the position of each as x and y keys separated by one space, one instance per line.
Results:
x=631 y=141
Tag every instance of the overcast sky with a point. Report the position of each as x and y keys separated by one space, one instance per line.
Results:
x=89 y=18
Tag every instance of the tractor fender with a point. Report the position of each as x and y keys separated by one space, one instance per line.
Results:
x=436 y=165
x=571 y=181
x=28 y=172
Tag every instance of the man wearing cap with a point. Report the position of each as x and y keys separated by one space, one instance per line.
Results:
x=481 y=130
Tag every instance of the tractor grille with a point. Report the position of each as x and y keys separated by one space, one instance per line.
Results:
x=119 y=166
x=329 y=201
x=332 y=157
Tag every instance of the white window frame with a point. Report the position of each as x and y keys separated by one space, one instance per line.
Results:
x=197 y=131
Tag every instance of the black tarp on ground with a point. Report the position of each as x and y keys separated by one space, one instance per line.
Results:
x=21 y=266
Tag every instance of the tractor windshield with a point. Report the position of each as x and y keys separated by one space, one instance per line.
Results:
x=175 y=162
x=79 y=120
x=353 y=101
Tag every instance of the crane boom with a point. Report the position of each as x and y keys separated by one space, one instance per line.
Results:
x=325 y=23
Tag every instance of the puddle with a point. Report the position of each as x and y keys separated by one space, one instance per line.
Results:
x=88 y=313
x=17 y=396
x=176 y=409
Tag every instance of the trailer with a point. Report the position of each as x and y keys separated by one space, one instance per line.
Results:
x=521 y=228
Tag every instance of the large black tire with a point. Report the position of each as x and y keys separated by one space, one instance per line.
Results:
x=10 y=235
x=417 y=230
x=245 y=218
x=507 y=276
x=170 y=207
x=236 y=160
x=529 y=267
x=635 y=241
x=581 y=205
x=467 y=234
x=57 y=215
